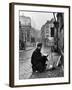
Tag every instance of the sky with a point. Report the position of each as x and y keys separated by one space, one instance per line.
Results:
x=37 y=18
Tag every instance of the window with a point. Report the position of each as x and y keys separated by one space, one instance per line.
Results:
x=52 y=31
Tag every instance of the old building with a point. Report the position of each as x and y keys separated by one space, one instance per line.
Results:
x=47 y=33
x=24 y=31
x=59 y=33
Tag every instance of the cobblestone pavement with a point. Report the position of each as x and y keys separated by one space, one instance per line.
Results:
x=25 y=70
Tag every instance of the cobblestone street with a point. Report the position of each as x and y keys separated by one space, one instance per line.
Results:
x=25 y=70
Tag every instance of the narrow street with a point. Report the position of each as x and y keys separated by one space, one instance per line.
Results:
x=25 y=70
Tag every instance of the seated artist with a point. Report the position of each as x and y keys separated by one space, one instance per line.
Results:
x=38 y=61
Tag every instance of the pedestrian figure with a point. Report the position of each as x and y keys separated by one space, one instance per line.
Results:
x=38 y=61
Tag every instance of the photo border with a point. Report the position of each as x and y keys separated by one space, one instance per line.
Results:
x=11 y=43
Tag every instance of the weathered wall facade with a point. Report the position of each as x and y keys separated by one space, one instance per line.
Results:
x=60 y=19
